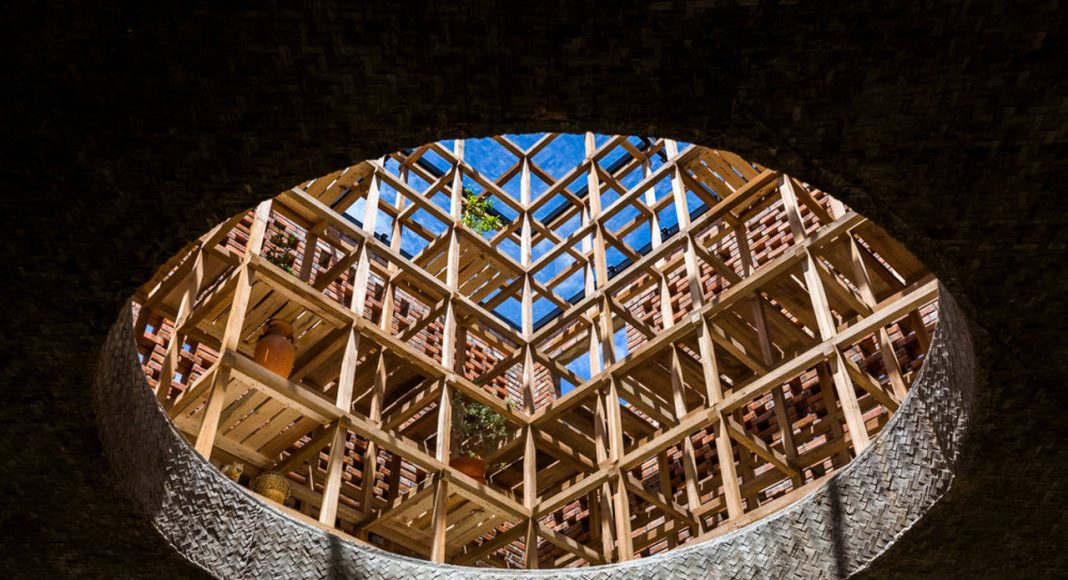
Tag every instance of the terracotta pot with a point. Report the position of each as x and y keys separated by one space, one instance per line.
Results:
x=472 y=466
x=275 y=350
x=272 y=485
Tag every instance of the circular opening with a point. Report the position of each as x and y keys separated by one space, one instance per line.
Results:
x=595 y=347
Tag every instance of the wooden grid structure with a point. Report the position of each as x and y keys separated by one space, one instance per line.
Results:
x=734 y=360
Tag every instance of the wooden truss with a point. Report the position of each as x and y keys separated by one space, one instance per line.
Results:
x=664 y=394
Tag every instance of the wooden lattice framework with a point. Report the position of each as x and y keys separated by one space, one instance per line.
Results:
x=770 y=305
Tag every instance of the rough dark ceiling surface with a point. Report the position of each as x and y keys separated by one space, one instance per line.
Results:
x=131 y=128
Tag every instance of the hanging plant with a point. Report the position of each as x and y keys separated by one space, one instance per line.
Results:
x=476 y=213
x=283 y=253
x=477 y=432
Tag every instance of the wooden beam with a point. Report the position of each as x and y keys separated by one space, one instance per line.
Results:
x=665 y=438
x=886 y=346
x=320 y=409
x=308 y=451
x=500 y=541
x=568 y=544
x=402 y=504
x=567 y=495
x=557 y=447
x=297 y=291
x=530 y=495
x=191 y=278
x=890 y=310
x=399 y=415
x=870 y=384
x=663 y=503
x=487 y=496
x=738 y=433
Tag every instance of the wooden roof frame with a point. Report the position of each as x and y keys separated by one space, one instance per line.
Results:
x=838 y=282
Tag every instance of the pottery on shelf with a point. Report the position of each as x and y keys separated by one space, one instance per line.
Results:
x=272 y=485
x=233 y=470
x=475 y=467
x=275 y=350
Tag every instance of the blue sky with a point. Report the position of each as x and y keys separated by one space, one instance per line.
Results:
x=556 y=159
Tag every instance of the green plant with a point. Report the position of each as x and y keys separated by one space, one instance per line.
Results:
x=283 y=252
x=476 y=213
x=477 y=430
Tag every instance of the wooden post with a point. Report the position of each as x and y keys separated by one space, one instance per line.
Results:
x=621 y=505
x=370 y=461
x=745 y=457
x=709 y=368
x=220 y=381
x=786 y=427
x=441 y=494
x=678 y=192
x=395 y=466
x=624 y=541
x=606 y=339
x=827 y=326
x=830 y=403
x=527 y=300
x=363 y=264
x=370 y=466
x=886 y=346
x=530 y=497
x=732 y=491
x=604 y=497
x=448 y=360
x=336 y=464
x=689 y=459
x=663 y=469
x=232 y=334
x=590 y=282
x=768 y=358
x=600 y=259
x=530 y=455
x=667 y=316
x=334 y=468
x=439 y=521
x=847 y=397
x=347 y=378
x=307 y=261
x=924 y=337
x=190 y=287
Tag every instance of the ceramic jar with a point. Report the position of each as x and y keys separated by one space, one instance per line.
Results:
x=275 y=349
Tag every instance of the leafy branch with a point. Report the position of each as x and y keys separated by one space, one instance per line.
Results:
x=477 y=430
x=476 y=213
x=283 y=251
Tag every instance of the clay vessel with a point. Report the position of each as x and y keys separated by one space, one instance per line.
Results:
x=472 y=466
x=275 y=350
x=272 y=485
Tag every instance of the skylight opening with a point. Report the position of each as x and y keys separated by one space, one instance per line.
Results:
x=538 y=332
